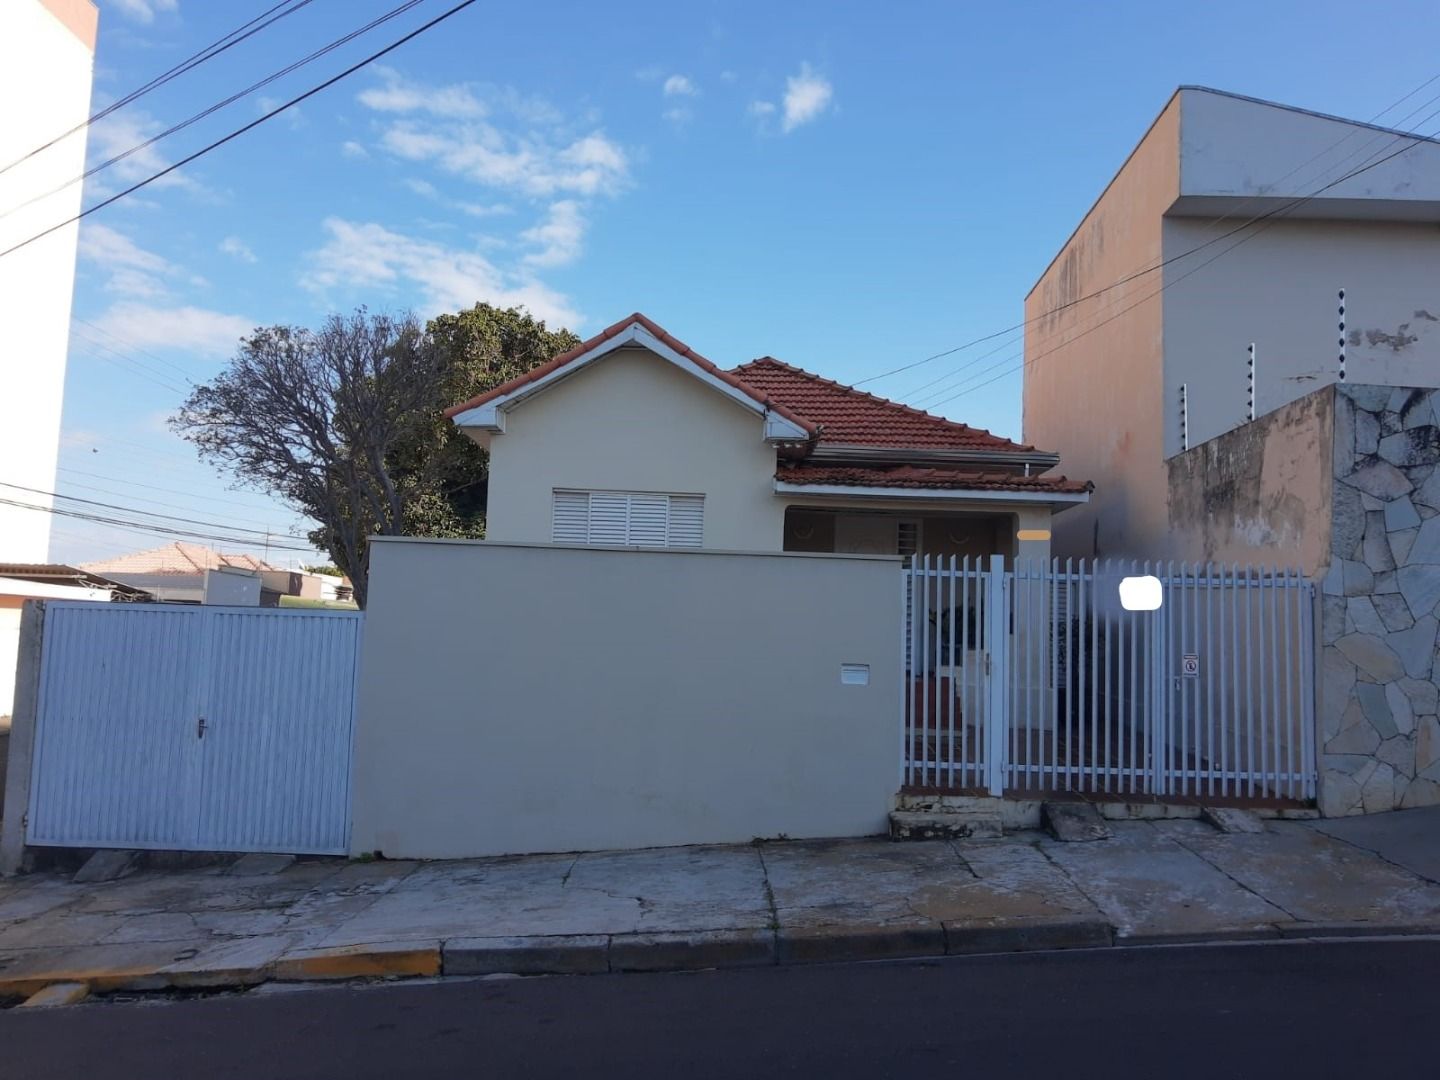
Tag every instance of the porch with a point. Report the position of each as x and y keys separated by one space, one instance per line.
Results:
x=917 y=531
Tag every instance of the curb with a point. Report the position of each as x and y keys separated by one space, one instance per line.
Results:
x=67 y=979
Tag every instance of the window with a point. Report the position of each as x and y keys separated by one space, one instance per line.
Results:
x=627 y=518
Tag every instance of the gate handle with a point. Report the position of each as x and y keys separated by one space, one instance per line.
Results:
x=200 y=728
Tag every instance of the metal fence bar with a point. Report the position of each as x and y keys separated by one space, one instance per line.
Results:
x=967 y=705
x=1288 y=595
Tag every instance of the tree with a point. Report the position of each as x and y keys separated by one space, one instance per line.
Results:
x=312 y=416
x=479 y=348
x=327 y=570
x=346 y=424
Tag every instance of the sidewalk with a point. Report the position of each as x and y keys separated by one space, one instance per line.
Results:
x=680 y=908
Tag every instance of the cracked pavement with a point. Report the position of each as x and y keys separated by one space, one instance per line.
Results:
x=1151 y=881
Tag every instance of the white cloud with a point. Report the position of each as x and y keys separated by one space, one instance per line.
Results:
x=144 y=10
x=185 y=329
x=559 y=237
x=370 y=256
x=451 y=128
x=352 y=149
x=679 y=86
x=238 y=249
x=426 y=190
x=130 y=269
x=807 y=95
x=678 y=116
x=399 y=96
x=121 y=133
x=728 y=76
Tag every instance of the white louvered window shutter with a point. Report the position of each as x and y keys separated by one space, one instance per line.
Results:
x=687 y=520
x=570 y=518
x=649 y=520
x=627 y=518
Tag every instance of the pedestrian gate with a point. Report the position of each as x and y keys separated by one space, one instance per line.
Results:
x=194 y=728
x=1036 y=679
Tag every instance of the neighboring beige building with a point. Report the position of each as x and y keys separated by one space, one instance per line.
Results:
x=634 y=439
x=1104 y=373
x=47 y=53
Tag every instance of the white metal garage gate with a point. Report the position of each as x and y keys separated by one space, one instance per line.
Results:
x=194 y=728
x=1035 y=679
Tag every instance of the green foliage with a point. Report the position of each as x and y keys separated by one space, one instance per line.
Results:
x=479 y=348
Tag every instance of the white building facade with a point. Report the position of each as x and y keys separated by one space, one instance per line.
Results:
x=47 y=54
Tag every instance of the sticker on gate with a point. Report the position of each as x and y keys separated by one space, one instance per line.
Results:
x=1190 y=665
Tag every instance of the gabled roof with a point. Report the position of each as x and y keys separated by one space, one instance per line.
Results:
x=850 y=417
x=176 y=558
x=633 y=329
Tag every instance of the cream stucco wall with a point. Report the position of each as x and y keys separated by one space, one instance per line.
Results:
x=1279 y=290
x=534 y=698
x=1093 y=377
x=46 y=57
x=635 y=422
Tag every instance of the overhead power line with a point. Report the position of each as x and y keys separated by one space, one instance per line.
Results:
x=1145 y=271
x=203 y=113
x=214 y=49
x=247 y=127
x=1269 y=221
x=158 y=530
x=136 y=510
x=1265 y=220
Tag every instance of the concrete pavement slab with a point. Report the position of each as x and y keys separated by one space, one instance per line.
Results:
x=260 y=864
x=482 y=898
x=108 y=865
x=1408 y=838
x=1152 y=888
x=679 y=889
x=1314 y=877
x=37 y=895
x=864 y=882
x=101 y=967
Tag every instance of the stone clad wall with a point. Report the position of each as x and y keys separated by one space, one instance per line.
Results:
x=1381 y=604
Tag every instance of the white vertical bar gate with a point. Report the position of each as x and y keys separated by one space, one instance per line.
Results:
x=194 y=728
x=1035 y=679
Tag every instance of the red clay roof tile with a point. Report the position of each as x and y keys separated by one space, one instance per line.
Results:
x=850 y=417
x=913 y=476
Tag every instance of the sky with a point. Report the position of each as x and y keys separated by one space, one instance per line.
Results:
x=849 y=187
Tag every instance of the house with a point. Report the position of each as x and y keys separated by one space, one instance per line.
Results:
x=1279 y=406
x=634 y=438
x=1233 y=223
x=177 y=573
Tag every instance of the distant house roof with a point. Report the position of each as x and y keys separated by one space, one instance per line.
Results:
x=62 y=574
x=176 y=558
x=845 y=416
x=912 y=476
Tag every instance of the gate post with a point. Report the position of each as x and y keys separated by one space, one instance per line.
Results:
x=997 y=663
x=16 y=810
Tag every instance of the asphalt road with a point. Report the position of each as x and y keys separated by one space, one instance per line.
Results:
x=1315 y=1010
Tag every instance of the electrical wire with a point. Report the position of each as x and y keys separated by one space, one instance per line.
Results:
x=134 y=510
x=210 y=51
x=158 y=530
x=270 y=115
x=1174 y=258
x=1265 y=220
x=237 y=96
